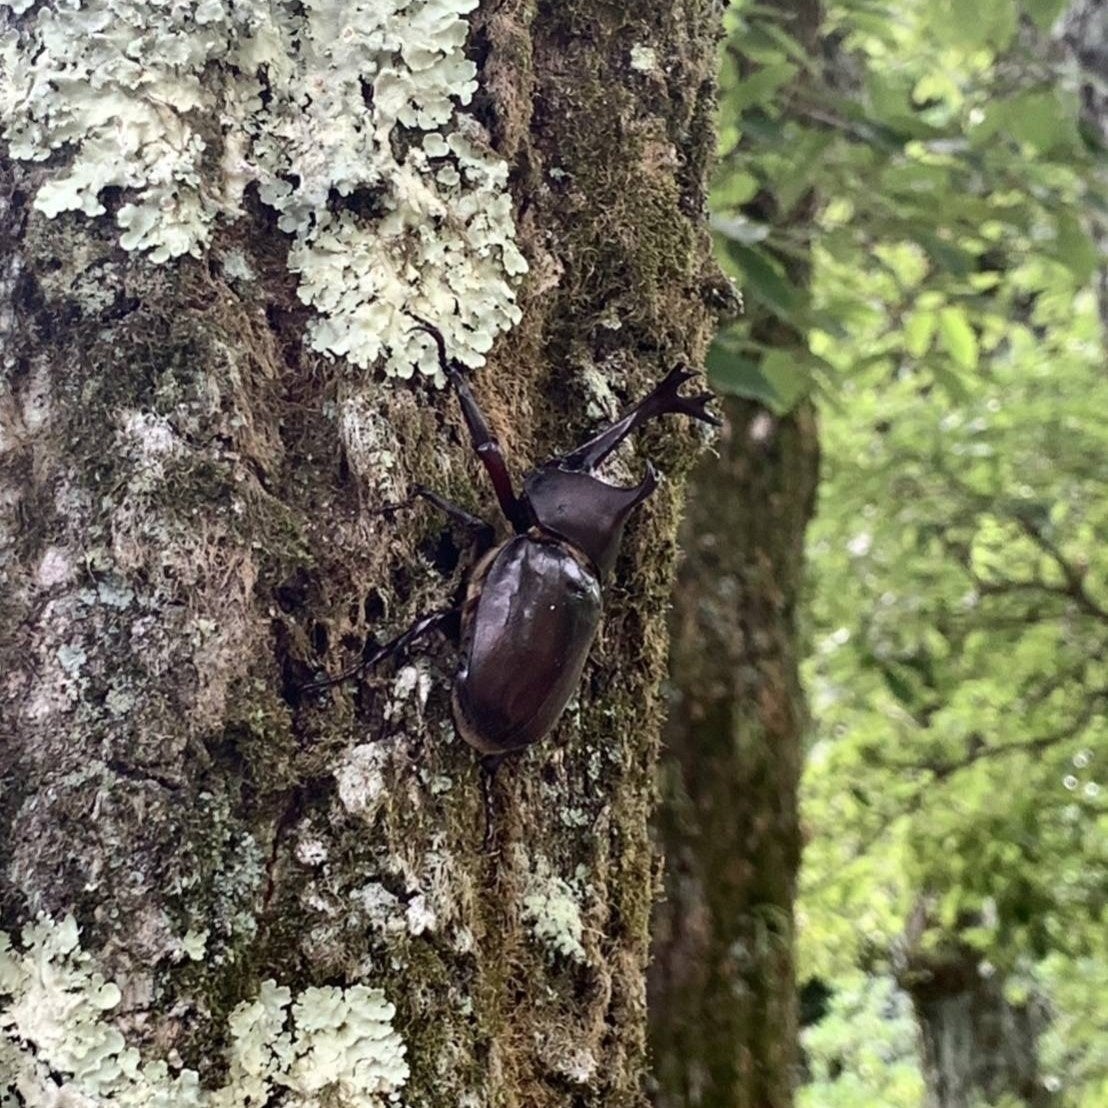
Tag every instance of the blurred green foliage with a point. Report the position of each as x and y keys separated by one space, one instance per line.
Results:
x=959 y=563
x=863 y=1052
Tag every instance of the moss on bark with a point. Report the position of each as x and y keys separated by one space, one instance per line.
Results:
x=186 y=541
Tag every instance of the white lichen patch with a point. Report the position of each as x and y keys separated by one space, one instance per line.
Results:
x=370 y=442
x=54 y=568
x=148 y=436
x=412 y=682
x=236 y=266
x=644 y=59
x=58 y=1045
x=419 y=915
x=390 y=915
x=361 y=779
x=572 y=1062
x=311 y=851
x=384 y=910
x=345 y=1044
x=194 y=943
x=552 y=911
x=344 y=113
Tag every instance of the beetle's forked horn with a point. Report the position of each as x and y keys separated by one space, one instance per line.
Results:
x=664 y=398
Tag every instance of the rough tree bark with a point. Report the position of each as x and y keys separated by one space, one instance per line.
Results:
x=201 y=870
x=722 y=989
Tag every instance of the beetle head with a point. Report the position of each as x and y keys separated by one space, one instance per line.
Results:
x=583 y=510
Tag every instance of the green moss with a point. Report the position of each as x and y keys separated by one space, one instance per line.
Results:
x=633 y=256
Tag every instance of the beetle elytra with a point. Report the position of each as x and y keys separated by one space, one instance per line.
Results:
x=533 y=602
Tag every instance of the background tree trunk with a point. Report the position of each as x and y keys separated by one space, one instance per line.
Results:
x=1083 y=36
x=190 y=530
x=722 y=989
x=976 y=1045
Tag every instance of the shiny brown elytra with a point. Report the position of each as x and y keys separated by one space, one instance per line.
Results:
x=533 y=602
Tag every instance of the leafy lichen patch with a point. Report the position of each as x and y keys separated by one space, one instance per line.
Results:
x=343 y=115
x=552 y=910
x=58 y=1044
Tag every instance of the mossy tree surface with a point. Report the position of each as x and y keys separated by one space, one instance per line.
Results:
x=186 y=536
x=722 y=995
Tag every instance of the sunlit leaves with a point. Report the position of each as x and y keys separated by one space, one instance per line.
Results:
x=958 y=337
x=863 y=1050
x=776 y=380
x=959 y=630
x=928 y=146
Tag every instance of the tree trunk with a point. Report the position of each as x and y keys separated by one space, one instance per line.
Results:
x=722 y=985
x=976 y=1045
x=218 y=889
x=1083 y=35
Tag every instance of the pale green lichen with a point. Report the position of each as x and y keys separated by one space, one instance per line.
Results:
x=194 y=943
x=185 y=103
x=236 y=266
x=361 y=779
x=71 y=658
x=551 y=909
x=644 y=59
x=58 y=1044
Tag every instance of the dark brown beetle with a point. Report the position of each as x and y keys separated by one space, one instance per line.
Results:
x=532 y=604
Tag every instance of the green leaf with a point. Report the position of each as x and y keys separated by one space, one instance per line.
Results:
x=776 y=381
x=1037 y=118
x=958 y=337
x=950 y=382
x=788 y=44
x=1074 y=248
x=971 y=26
x=733 y=189
x=764 y=279
x=760 y=86
x=946 y=255
x=791 y=379
x=919 y=329
x=899 y=684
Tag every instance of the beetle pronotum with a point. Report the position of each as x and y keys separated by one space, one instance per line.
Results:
x=533 y=602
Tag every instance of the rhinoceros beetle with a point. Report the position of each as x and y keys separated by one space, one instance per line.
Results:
x=532 y=603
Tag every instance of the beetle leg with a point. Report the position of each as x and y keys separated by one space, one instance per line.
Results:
x=483 y=531
x=487 y=768
x=663 y=399
x=483 y=440
x=488 y=450
x=421 y=627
